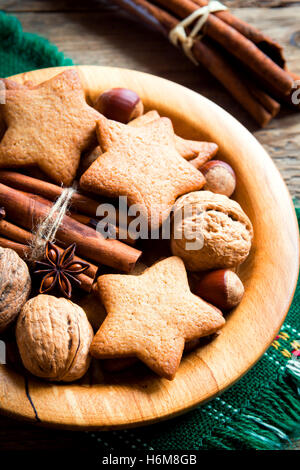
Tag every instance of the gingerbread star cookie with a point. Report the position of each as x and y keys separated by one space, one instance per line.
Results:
x=188 y=149
x=6 y=84
x=48 y=125
x=143 y=164
x=197 y=151
x=151 y=316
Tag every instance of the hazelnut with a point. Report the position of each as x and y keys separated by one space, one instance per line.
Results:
x=54 y=337
x=211 y=231
x=120 y=104
x=15 y=286
x=222 y=288
x=220 y=177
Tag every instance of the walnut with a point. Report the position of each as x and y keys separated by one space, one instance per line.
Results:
x=218 y=224
x=54 y=337
x=15 y=286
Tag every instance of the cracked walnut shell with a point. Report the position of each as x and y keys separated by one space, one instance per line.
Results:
x=54 y=337
x=15 y=286
x=223 y=231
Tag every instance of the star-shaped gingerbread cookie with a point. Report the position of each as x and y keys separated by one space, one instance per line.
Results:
x=151 y=316
x=6 y=84
x=48 y=125
x=143 y=164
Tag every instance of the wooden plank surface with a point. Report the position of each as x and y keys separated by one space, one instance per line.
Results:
x=93 y=32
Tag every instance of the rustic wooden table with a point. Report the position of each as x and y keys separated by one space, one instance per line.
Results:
x=96 y=32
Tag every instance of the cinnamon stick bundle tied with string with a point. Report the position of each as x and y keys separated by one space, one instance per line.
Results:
x=229 y=50
x=80 y=202
x=27 y=212
x=235 y=43
x=46 y=192
x=270 y=47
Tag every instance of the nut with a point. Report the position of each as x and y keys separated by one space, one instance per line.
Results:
x=219 y=225
x=120 y=104
x=54 y=337
x=222 y=288
x=15 y=286
x=220 y=177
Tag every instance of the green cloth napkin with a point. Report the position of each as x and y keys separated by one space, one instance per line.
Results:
x=262 y=410
x=21 y=52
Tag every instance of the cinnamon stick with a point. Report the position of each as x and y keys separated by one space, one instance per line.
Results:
x=119 y=232
x=22 y=250
x=47 y=190
x=211 y=58
x=20 y=235
x=27 y=213
x=86 y=282
x=270 y=47
x=237 y=45
x=269 y=103
x=143 y=9
x=227 y=75
x=15 y=233
x=79 y=202
x=292 y=100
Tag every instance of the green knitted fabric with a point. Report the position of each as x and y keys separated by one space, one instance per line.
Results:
x=21 y=52
x=262 y=410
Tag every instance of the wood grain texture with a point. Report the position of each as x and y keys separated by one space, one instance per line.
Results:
x=95 y=32
x=79 y=5
x=32 y=6
x=105 y=400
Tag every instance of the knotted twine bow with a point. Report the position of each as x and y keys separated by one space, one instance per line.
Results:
x=178 y=34
x=48 y=227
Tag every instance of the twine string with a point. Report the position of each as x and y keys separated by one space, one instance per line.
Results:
x=48 y=227
x=178 y=34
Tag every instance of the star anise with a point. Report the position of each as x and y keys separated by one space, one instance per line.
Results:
x=59 y=270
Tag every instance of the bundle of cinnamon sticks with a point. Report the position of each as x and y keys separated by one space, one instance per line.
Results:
x=248 y=63
x=27 y=201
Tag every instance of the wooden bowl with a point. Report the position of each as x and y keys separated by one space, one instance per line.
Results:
x=136 y=397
